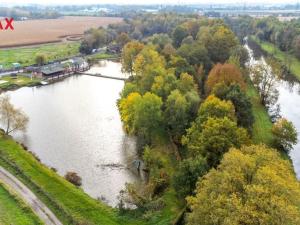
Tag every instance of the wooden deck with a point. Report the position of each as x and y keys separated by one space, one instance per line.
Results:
x=104 y=76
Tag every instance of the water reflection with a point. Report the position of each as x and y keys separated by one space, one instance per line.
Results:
x=75 y=126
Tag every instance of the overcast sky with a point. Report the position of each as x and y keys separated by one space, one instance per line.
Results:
x=145 y=1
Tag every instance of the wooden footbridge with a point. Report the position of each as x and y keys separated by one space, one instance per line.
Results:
x=104 y=76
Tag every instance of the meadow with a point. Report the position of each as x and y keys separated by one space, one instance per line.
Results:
x=26 y=55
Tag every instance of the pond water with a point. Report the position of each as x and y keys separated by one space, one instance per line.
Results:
x=75 y=126
x=289 y=102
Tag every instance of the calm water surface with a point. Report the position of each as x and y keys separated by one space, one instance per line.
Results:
x=75 y=126
x=289 y=102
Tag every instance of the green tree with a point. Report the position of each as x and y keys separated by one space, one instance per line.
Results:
x=253 y=185
x=177 y=114
x=242 y=103
x=214 y=138
x=148 y=119
x=40 y=59
x=187 y=174
x=178 y=35
x=186 y=83
x=285 y=134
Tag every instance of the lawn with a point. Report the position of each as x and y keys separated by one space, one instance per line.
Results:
x=281 y=56
x=262 y=125
x=26 y=55
x=14 y=211
x=8 y=82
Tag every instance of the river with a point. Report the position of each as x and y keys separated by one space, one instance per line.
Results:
x=289 y=102
x=75 y=126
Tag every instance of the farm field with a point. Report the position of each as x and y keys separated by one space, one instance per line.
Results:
x=26 y=55
x=32 y=32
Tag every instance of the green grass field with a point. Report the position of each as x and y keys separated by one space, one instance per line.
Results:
x=283 y=57
x=262 y=125
x=19 y=81
x=14 y=211
x=26 y=55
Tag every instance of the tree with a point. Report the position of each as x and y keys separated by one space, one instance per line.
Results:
x=122 y=39
x=296 y=47
x=13 y=119
x=163 y=84
x=186 y=83
x=127 y=110
x=214 y=137
x=187 y=174
x=178 y=35
x=129 y=53
x=177 y=114
x=241 y=53
x=219 y=41
x=285 y=134
x=40 y=59
x=242 y=103
x=264 y=77
x=253 y=185
x=224 y=73
x=195 y=54
x=148 y=118
x=216 y=108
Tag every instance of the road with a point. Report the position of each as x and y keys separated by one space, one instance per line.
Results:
x=38 y=207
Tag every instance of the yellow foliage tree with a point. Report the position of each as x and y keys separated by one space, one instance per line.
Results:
x=252 y=186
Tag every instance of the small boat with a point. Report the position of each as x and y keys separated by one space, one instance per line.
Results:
x=44 y=82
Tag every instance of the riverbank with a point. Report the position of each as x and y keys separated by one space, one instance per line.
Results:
x=69 y=203
x=287 y=59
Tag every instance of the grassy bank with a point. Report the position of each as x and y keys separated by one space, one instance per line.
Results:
x=69 y=203
x=262 y=125
x=289 y=60
x=26 y=55
x=8 y=82
x=14 y=211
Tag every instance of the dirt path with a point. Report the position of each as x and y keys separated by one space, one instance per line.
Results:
x=38 y=207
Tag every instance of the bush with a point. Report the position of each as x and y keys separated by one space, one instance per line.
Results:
x=73 y=178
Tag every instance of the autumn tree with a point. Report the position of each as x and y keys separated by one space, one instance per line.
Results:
x=217 y=108
x=129 y=53
x=217 y=135
x=122 y=39
x=253 y=185
x=12 y=119
x=127 y=106
x=163 y=84
x=285 y=134
x=186 y=83
x=224 y=73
